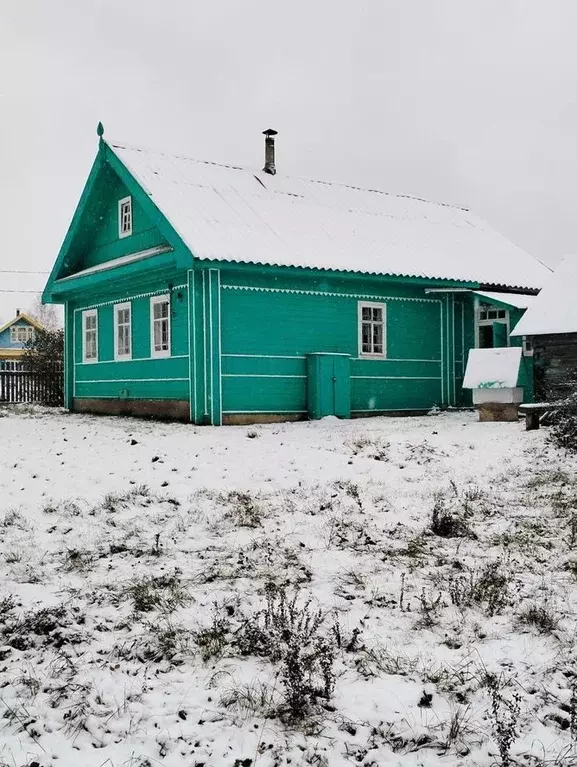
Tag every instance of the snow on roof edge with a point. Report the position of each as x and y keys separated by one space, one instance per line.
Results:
x=419 y=272
x=554 y=311
x=404 y=275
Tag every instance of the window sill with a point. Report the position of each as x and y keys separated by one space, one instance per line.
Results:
x=366 y=356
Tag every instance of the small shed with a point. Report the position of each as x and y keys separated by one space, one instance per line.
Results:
x=493 y=375
x=549 y=328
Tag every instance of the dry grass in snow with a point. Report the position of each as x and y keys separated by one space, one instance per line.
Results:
x=387 y=591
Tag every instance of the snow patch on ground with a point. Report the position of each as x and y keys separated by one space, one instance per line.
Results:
x=148 y=572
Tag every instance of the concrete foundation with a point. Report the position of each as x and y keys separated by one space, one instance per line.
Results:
x=498 y=411
x=169 y=409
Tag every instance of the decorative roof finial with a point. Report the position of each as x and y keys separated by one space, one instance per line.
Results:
x=100 y=130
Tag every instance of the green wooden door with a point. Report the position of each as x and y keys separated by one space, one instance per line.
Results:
x=499 y=335
x=329 y=385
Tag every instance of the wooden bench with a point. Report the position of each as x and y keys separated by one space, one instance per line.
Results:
x=535 y=412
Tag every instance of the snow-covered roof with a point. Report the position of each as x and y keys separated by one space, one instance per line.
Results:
x=236 y=214
x=518 y=300
x=493 y=368
x=25 y=318
x=554 y=310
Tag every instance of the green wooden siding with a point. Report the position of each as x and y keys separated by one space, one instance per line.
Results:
x=249 y=339
x=526 y=373
x=143 y=376
x=97 y=240
x=105 y=243
x=267 y=332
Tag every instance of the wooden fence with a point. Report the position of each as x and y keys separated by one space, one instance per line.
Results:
x=22 y=386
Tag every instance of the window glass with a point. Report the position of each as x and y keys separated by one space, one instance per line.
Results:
x=123 y=331
x=125 y=217
x=160 y=326
x=90 y=336
x=372 y=329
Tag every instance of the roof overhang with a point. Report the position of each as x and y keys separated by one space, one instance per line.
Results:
x=135 y=265
x=506 y=300
x=502 y=300
x=116 y=262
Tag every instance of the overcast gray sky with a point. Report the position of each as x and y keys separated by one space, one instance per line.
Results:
x=465 y=101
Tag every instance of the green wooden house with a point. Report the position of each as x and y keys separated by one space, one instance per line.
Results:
x=219 y=294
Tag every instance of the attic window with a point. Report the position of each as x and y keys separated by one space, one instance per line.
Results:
x=125 y=217
x=21 y=334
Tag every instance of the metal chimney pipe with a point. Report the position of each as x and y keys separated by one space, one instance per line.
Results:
x=269 y=166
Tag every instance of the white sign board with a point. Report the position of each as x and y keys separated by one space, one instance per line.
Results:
x=493 y=368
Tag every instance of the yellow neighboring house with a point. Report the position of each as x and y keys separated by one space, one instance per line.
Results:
x=13 y=337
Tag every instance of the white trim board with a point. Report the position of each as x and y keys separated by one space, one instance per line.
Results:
x=132 y=298
x=377 y=411
x=122 y=261
x=218 y=293
x=130 y=397
x=204 y=345
x=270 y=356
x=136 y=359
x=399 y=378
x=264 y=412
x=341 y=354
x=367 y=296
x=191 y=318
x=261 y=375
x=127 y=380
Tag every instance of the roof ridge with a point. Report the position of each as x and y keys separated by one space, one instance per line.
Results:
x=253 y=171
x=22 y=316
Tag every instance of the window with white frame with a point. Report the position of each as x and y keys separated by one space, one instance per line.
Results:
x=160 y=326
x=372 y=330
x=487 y=316
x=122 y=331
x=90 y=335
x=125 y=217
x=21 y=333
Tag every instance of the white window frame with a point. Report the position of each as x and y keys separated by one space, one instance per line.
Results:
x=85 y=314
x=528 y=350
x=28 y=333
x=164 y=298
x=371 y=305
x=479 y=323
x=121 y=231
x=117 y=308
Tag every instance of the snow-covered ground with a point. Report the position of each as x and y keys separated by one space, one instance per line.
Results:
x=160 y=587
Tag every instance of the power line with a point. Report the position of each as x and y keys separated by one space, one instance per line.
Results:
x=38 y=292
x=20 y=271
